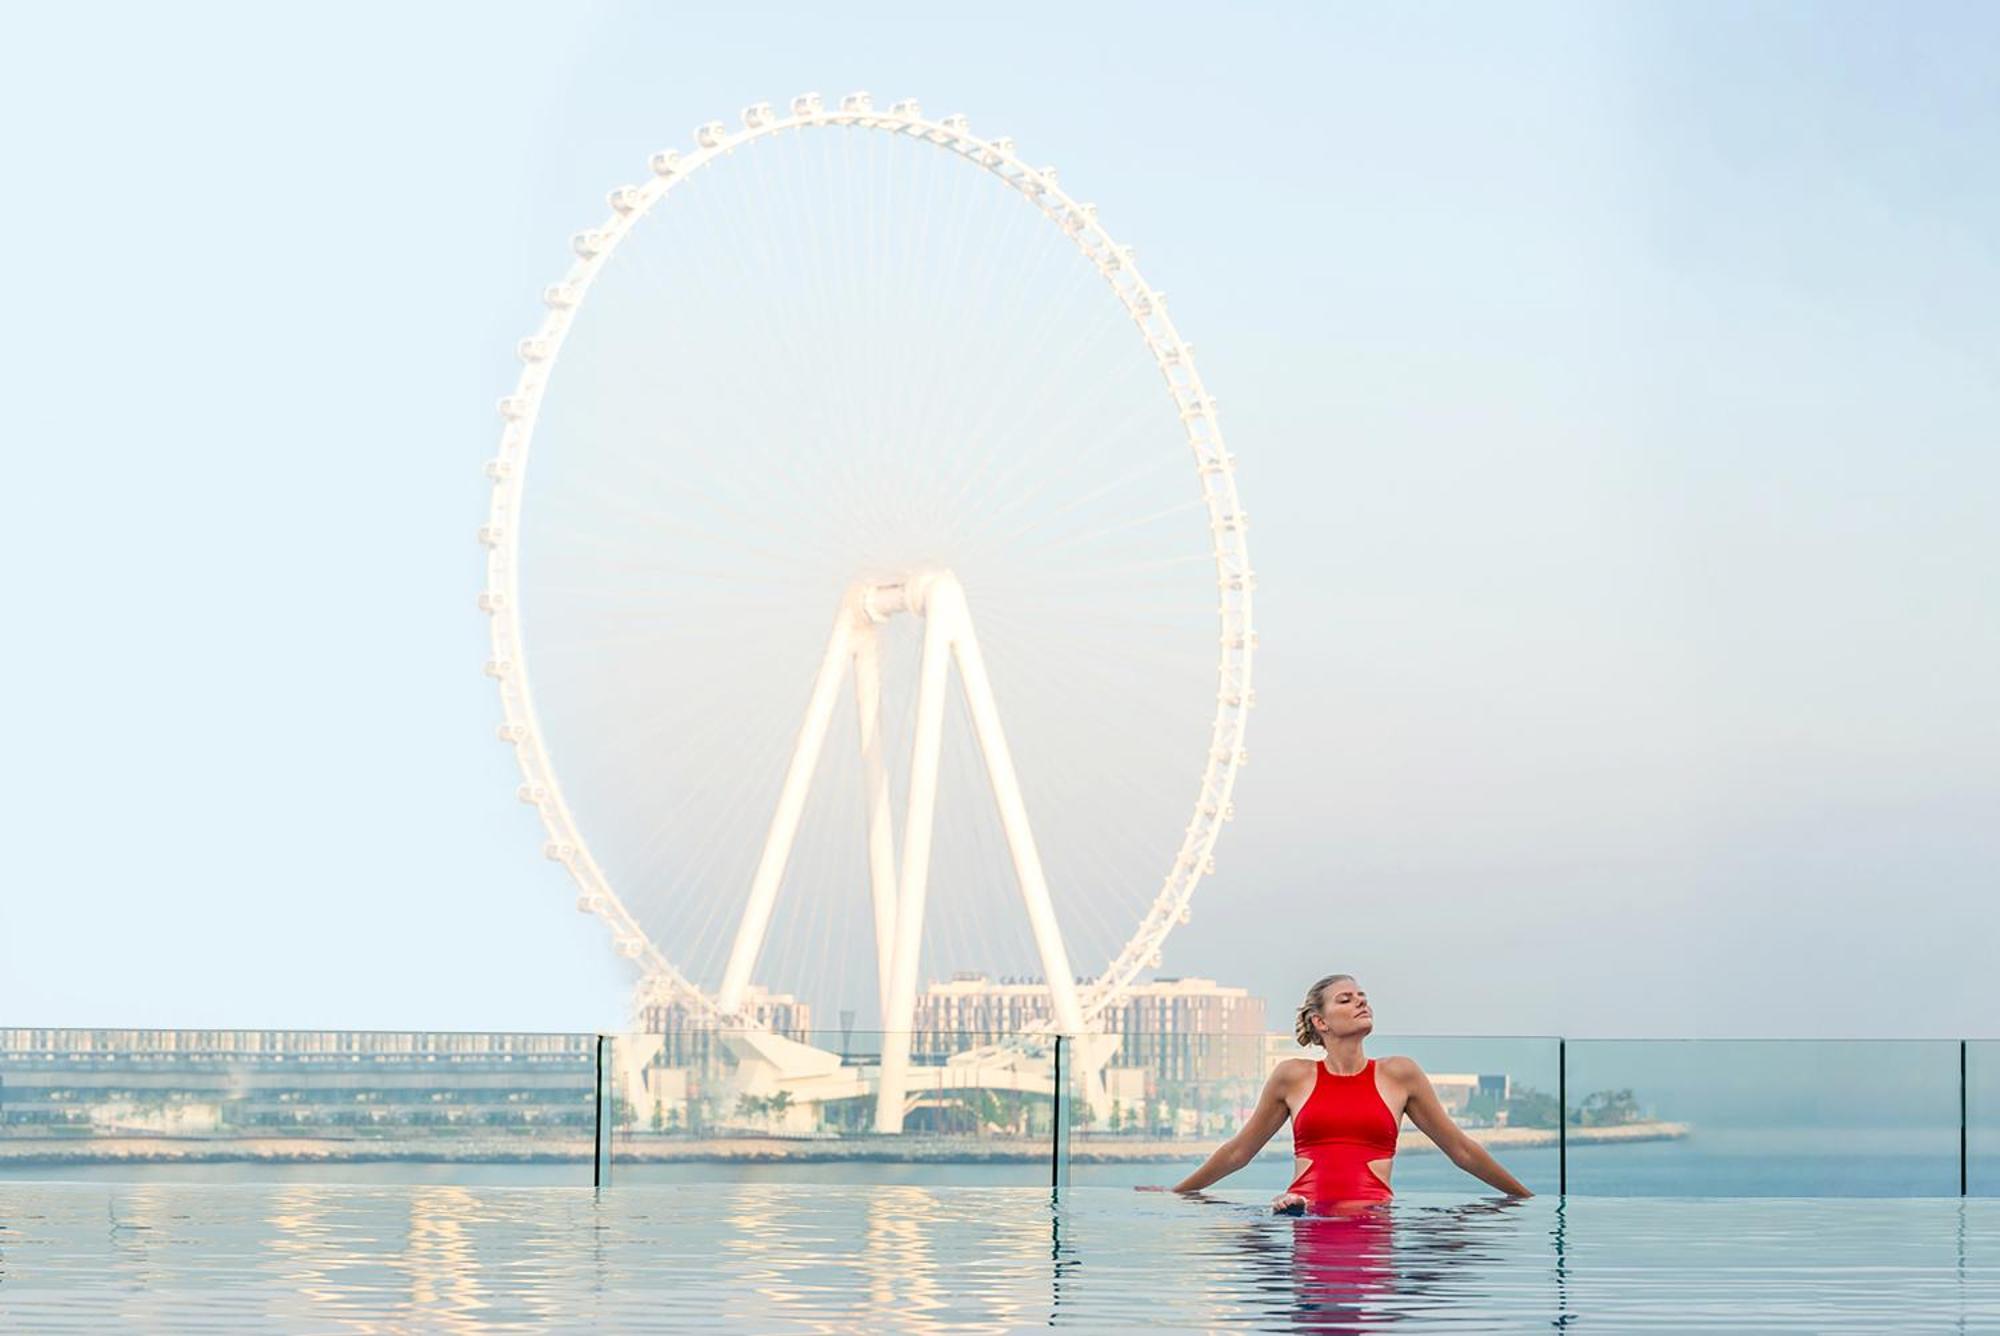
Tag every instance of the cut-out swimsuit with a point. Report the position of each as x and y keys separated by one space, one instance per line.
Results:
x=1339 y=1130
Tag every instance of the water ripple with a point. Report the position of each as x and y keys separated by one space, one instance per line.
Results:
x=769 y=1258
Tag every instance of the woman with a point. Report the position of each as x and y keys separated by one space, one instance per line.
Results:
x=1346 y=1110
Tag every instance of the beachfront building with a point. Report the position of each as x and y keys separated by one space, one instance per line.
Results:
x=287 y=1082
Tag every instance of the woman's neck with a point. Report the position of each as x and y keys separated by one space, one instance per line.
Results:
x=1344 y=1056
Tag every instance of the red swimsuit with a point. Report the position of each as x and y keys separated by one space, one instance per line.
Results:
x=1340 y=1128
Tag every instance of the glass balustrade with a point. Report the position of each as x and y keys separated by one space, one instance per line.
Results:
x=1982 y=1117
x=1152 y=1108
x=1764 y=1118
x=809 y=1107
x=1601 y=1117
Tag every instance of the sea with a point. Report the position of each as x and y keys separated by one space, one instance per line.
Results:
x=1737 y=1162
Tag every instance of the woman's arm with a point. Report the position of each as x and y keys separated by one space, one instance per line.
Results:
x=1428 y=1113
x=1239 y=1150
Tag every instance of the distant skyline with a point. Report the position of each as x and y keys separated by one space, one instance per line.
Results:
x=1614 y=389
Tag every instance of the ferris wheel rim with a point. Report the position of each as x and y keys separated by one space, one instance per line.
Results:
x=1174 y=358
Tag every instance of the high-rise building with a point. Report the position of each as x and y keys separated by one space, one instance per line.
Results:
x=972 y=1009
x=1178 y=1029
x=1191 y=1030
x=686 y=1032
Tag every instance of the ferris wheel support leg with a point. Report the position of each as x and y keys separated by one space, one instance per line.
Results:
x=881 y=822
x=915 y=873
x=1013 y=810
x=785 y=821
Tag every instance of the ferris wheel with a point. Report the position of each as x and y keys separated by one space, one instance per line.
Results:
x=877 y=608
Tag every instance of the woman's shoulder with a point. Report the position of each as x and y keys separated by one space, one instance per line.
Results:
x=1399 y=1068
x=1292 y=1071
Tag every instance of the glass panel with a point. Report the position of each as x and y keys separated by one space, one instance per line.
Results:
x=614 y=1113
x=1069 y=1107
x=1147 y=1106
x=339 y=1105
x=1763 y=1118
x=757 y=1106
x=1982 y=1117
x=1166 y=1100
x=1502 y=1091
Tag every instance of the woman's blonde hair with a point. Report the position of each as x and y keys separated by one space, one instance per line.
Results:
x=1315 y=998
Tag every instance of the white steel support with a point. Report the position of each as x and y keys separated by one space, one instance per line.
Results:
x=881 y=822
x=1013 y=810
x=785 y=821
x=948 y=636
x=918 y=825
x=899 y=886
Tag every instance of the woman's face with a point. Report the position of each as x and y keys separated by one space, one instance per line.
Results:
x=1344 y=1011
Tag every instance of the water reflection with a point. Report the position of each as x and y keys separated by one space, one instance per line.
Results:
x=439 y=1259
x=305 y=1248
x=897 y=1256
x=1557 y=1243
x=1340 y=1267
x=770 y=1257
x=1356 y=1268
x=1062 y=1257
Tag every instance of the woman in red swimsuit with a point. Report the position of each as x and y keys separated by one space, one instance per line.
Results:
x=1346 y=1110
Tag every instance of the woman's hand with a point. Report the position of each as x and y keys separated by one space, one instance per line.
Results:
x=1427 y=1111
x=1270 y=1114
x=1288 y=1203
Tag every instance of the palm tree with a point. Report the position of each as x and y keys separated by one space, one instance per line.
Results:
x=1609 y=1108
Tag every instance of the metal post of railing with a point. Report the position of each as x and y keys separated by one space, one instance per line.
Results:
x=597 y=1174
x=1058 y=1116
x=1562 y=1117
x=1963 y=1165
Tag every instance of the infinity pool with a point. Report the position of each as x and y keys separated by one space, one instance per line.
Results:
x=817 y=1258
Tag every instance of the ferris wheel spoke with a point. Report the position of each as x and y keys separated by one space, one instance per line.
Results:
x=939 y=266
x=669 y=827
x=1004 y=401
x=1024 y=476
x=1151 y=469
x=751 y=399
x=651 y=522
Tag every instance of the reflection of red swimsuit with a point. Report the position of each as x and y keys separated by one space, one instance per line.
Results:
x=1341 y=1127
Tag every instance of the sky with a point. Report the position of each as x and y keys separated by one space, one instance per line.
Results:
x=1614 y=394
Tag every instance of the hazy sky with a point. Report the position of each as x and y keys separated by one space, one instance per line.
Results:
x=1615 y=395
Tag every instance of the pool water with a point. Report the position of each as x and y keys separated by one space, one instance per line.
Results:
x=764 y=1257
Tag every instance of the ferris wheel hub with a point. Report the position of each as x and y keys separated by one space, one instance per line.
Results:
x=913 y=593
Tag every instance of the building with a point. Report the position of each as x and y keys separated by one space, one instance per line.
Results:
x=972 y=1010
x=232 y=1082
x=687 y=1034
x=1480 y=1095
x=1175 y=1029
x=1187 y=1030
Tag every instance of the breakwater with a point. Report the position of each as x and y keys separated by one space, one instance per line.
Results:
x=747 y=1149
